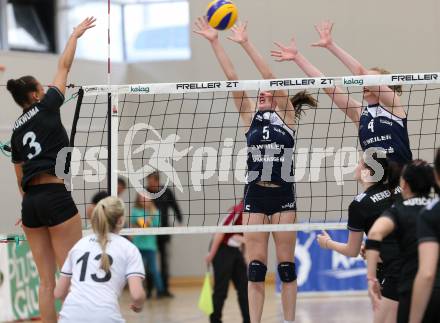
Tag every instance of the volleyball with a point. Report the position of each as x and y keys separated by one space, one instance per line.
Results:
x=222 y=14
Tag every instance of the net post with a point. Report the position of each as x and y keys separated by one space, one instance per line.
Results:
x=113 y=144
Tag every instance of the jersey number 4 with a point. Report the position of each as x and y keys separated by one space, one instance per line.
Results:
x=30 y=138
x=371 y=125
x=85 y=259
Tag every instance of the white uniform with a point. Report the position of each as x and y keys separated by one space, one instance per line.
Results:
x=93 y=295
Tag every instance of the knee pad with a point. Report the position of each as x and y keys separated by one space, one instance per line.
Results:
x=287 y=271
x=257 y=271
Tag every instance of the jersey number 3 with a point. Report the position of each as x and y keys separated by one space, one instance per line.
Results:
x=30 y=138
x=85 y=259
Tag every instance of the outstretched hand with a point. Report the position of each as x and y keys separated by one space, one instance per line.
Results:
x=239 y=33
x=285 y=53
x=323 y=239
x=2 y=68
x=202 y=28
x=324 y=30
x=85 y=25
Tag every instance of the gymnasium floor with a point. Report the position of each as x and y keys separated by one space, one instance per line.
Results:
x=183 y=308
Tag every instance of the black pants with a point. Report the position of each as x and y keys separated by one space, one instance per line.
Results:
x=229 y=265
x=432 y=313
x=162 y=244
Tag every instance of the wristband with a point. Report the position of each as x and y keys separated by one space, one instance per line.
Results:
x=371 y=244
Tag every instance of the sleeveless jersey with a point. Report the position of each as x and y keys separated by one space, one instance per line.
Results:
x=378 y=128
x=270 y=145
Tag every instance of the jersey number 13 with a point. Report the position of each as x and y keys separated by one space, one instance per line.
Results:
x=84 y=260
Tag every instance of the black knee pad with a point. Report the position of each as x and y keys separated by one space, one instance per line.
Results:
x=287 y=271
x=257 y=271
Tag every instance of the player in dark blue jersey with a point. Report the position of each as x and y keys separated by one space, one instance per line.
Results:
x=425 y=300
x=270 y=194
x=382 y=123
x=50 y=218
x=401 y=221
x=378 y=195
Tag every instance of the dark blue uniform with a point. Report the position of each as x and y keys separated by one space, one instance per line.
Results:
x=378 y=128
x=270 y=159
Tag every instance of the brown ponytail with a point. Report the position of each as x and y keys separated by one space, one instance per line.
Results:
x=299 y=100
x=105 y=219
x=21 y=88
x=398 y=89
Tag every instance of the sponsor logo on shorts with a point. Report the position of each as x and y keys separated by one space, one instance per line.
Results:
x=247 y=207
x=290 y=205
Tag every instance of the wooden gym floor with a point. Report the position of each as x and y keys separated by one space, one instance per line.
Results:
x=183 y=308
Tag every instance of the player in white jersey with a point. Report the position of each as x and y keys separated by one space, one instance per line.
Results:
x=97 y=269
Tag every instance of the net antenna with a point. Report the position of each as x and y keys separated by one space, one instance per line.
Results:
x=193 y=128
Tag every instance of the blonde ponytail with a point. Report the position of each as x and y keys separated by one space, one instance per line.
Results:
x=105 y=219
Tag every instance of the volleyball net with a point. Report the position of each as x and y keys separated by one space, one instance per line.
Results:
x=191 y=133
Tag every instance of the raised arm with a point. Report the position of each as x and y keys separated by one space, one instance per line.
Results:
x=66 y=59
x=240 y=36
x=343 y=101
x=244 y=104
x=384 y=93
x=381 y=229
x=422 y=289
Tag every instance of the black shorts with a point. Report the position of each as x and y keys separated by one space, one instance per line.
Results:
x=47 y=205
x=269 y=200
x=388 y=288
x=432 y=313
x=388 y=282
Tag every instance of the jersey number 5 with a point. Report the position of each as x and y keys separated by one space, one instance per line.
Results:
x=29 y=138
x=266 y=132
x=85 y=259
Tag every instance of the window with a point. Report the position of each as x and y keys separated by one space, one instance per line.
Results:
x=94 y=44
x=25 y=31
x=157 y=31
x=141 y=30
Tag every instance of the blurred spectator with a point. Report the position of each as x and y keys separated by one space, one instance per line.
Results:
x=95 y=200
x=226 y=256
x=164 y=203
x=143 y=215
x=122 y=186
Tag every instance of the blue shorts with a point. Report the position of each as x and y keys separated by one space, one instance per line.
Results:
x=269 y=200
